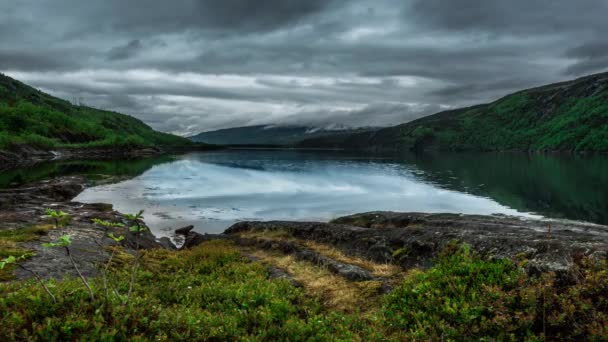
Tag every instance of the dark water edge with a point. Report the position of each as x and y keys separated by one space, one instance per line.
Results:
x=557 y=186
x=92 y=169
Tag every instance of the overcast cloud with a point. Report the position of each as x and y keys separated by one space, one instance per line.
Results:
x=197 y=65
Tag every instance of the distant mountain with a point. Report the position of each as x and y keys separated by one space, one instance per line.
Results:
x=271 y=135
x=31 y=118
x=567 y=116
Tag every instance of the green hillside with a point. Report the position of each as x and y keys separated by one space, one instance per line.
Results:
x=568 y=116
x=31 y=117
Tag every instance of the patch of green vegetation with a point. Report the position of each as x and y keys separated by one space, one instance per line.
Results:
x=10 y=245
x=207 y=293
x=30 y=117
x=211 y=292
x=466 y=297
x=25 y=234
x=517 y=122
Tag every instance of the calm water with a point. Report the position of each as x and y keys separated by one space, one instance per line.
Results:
x=213 y=190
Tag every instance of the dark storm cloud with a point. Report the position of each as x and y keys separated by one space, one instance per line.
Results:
x=161 y=16
x=590 y=57
x=125 y=51
x=223 y=15
x=198 y=65
x=36 y=60
x=511 y=17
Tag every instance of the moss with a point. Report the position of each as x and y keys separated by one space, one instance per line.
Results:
x=10 y=244
x=25 y=234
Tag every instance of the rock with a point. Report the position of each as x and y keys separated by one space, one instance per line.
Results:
x=24 y=207
x=54 y=190
x=166 y=243
x=277 y=273
x=348 y=271
x=415 y=239
x=184 y=230
x=194 y=239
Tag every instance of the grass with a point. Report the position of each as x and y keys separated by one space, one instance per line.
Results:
x=333 y=292
x=212 y=292
x=379 y=270
x=207 y=293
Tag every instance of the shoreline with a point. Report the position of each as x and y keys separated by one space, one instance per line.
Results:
x=405 y=239
x=27 y=156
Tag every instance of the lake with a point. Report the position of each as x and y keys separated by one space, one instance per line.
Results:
x=213 y=190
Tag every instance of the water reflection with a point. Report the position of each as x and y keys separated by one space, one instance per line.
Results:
x=214 y=190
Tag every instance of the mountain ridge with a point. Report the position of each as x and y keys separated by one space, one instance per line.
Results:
x=565 y=116
x=277 y=135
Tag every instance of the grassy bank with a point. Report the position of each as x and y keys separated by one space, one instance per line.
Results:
x=213 y=293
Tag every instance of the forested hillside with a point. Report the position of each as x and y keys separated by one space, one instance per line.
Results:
x=33 y=118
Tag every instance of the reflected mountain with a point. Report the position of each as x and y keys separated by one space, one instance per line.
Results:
x=573 y=187
x=91 y=169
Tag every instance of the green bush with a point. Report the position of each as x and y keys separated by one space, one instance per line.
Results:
x=466 y=297
x=463 y=297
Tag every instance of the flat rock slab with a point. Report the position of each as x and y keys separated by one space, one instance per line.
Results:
x=348 y=271
x=415 y=239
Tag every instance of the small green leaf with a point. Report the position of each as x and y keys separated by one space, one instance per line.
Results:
x=107 y=223
x=63 y=241
x=9 y=260
x=116 y=238
x=135 y=217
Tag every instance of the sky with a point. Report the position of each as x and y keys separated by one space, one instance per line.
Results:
x=187 y=66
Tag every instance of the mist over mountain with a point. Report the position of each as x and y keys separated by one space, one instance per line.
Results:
x=273 y=135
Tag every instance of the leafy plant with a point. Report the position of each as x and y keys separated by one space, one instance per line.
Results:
x=60 y=218
x=115 y=239
x=64 y=242
x=136 y=229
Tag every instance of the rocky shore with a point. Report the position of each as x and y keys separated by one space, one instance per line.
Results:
x=28 y=155
x=406 y=240
x=24 y=208
x=414 y=239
